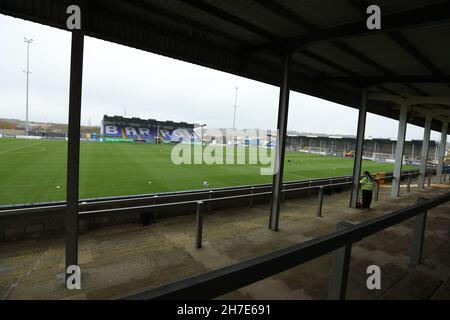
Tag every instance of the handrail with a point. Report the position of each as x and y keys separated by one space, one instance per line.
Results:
x=208 y=201
x=218 y=282
x=161 y=195
x=139 y=208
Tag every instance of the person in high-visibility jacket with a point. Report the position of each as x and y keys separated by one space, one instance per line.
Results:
x=367 y=185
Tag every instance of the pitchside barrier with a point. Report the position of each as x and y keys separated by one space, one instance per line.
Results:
x=24 y=221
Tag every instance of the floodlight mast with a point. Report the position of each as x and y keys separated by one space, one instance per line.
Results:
x=235 y=107
x=28 y=42
x=202 y=126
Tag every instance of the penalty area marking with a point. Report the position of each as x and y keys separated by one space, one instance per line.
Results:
x=20 y=147
x=297 y=175
x=41 y=149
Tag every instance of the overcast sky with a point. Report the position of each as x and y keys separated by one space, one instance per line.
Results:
x=119 y=80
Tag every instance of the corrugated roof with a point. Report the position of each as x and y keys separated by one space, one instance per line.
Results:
x=334 y=53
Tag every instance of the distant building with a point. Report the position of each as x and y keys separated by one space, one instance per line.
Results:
x=378 y=149
x=117 y=128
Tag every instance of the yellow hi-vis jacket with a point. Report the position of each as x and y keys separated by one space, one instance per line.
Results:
x=366 y=183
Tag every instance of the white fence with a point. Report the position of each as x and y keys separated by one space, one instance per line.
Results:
x=374 y=156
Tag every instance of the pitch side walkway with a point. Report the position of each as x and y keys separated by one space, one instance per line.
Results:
x=118 y=261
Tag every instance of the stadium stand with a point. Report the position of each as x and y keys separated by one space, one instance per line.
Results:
x=376 y=149
x=118 y=128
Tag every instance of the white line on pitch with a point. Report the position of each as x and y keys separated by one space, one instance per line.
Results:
x=20 y=147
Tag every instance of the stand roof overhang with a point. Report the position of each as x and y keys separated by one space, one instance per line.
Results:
x=334 y=54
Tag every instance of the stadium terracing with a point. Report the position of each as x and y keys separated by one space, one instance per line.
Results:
x=118 y=128
x=400 y=70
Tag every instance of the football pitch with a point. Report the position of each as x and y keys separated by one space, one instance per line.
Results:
x=35 y=170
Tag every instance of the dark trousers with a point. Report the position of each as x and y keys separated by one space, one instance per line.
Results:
x=366 y=198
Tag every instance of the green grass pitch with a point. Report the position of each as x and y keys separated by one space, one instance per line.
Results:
x=35 y=170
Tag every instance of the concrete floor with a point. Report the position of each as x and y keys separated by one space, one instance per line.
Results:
x=121 y=260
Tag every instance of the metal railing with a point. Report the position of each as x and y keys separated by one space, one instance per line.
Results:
x=219 y=282
x=320 y=200
x=129 y=200
x=209 y=201
x=408 y=175
x=160 y=201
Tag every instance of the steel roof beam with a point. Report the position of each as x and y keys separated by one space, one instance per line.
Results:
x=230 y=18
x=389 y=79
x=285 y=13
x=182 y=19
x=327 y=62
x=404 y=43
x=197 y=25
x=295 y=18
x=407 y=18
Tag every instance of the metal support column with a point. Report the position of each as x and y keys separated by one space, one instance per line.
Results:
x=252 y=191
x=73 y=152
x=448 y=234
x=424 y=154
x=340 y=263
x=199 y=225
x=403 y=120
x=442 y=148
x=319 y=202
x=357 y=162
x=280 y=147
x=377 y=189
x=418 y=237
